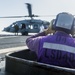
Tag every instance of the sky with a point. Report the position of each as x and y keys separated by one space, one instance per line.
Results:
x=39 y=7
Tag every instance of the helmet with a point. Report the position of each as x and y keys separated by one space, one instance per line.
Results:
x=64 y=22
x=52 y=24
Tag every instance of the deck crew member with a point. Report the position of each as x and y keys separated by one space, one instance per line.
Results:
x=57 y=49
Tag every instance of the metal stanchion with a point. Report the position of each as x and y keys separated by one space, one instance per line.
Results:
x=1 y=62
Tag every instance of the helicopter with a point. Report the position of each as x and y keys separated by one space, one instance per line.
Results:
x=28 y=25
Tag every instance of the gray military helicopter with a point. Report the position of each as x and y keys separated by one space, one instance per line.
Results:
x=28 y=25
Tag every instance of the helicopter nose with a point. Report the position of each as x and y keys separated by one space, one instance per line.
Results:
x=6 y=29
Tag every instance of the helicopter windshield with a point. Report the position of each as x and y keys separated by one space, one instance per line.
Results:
x=12 y=25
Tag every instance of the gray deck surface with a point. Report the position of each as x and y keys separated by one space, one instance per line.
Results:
x=9 y=42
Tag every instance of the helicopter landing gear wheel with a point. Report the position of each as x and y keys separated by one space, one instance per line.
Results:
x=24 y=33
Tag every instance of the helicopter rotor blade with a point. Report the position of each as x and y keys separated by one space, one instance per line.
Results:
x=17 y=16
x=28 y=16
x=47 y=15
x=12 y=17
x=29 y=9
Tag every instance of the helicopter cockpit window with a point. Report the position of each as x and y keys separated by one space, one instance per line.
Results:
x=20 y=26
x=12 y=25
x=35 y=26
x=30 y=26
